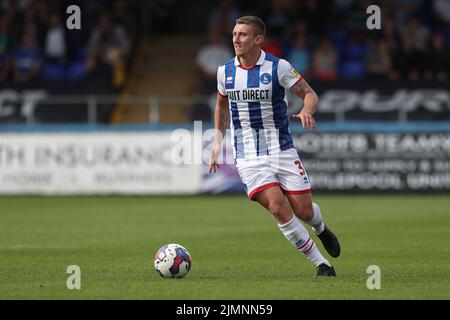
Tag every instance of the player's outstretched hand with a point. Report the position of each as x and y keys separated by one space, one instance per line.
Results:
x=307 y=120
x=213 y=156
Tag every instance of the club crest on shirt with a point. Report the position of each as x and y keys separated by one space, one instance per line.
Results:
x=295 y=73
x=266 y=78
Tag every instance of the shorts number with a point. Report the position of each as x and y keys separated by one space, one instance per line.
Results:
x=300 y=167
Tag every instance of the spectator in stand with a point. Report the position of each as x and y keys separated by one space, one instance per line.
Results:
x=316 y=14
x=35 y=23
x=55 y=42
x=299 y=55
x=300 y=26
x=324 y=61
x=208 y=59
x=277 y=18
x=377 y=59
x=414 y=61
x=223 y=17
x=121 y=17
x=15 y=21
x=273 y=46
x=441 y=9
x=4 y=39
x=4 y=36
x=414 y=44
x=408 y=8
x=357 y=16
x=107 y=50
x=399 y=67
x=77 y=40
x=90 y=11
x=4 y=66
x=342 y=7
x=415 y=35
x=438 y=62
x=27 y=58
x=389 y=30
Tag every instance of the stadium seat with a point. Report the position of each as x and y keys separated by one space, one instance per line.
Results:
x=339 y=38
x=352 y=69
x=76 y=71
x=338 y=35
x=53 y=71
x=341 y=48
x=446 y=33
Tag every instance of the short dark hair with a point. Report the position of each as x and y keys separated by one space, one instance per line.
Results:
x=254 y=21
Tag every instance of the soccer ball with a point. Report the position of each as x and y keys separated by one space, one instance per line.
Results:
x=172 y=261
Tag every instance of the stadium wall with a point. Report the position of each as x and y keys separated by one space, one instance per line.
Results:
x=57 y=102
x=150 y=159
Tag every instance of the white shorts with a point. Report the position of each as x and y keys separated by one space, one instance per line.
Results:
x=283 y=169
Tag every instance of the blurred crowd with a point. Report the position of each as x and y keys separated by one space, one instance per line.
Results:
x=324 y=39
x=328 y=40
x=35 y=43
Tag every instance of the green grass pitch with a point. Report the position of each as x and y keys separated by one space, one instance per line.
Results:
x=236 y=248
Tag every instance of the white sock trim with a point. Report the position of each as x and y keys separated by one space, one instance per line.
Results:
x=296 y=233
x=317 y=221
x=284 y=225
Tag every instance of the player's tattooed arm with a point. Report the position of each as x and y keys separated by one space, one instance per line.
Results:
x=305 y=92
x=310 y=102
x=221 y=121
x=221 y=117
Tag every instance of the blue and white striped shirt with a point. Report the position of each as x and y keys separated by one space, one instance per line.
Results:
x=258 y=105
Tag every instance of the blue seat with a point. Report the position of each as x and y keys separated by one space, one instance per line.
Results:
x=53 y=71
x=356 y=51
x=338 y=35
x=352 y=69
x=446 y=33
x=76 y=71
x=341 y=48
